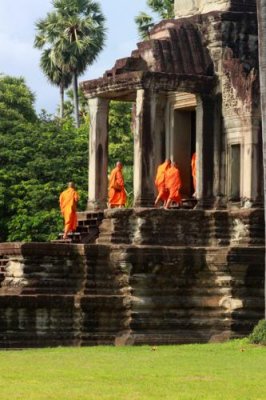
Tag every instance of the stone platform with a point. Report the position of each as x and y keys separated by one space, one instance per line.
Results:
x=154 y=277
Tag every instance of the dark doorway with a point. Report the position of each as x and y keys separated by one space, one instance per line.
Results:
x=184 y=146
x=235 y=172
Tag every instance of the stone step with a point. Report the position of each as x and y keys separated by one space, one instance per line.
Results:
x=87 y=230
x=83 y=229
x=85 y=216
x=74 y=237
x=3 y=263
x=61 y=241
x=89 y=222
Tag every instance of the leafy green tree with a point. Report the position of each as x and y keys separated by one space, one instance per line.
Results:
x=45 y=156
x=75 y=32
x=120 y=134
x=163 y=8
x=144 y=23
x=121 y=142
x=16 y=102
x=83 y=105
x=38 y=157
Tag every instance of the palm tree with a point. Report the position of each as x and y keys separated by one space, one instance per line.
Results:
x=261 y=14
x=144 y=23
x=55 y=75
x=163 y=8
x=75 y=33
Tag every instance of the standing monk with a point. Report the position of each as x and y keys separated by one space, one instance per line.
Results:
x=68 y=204
x=173 y=183
x=193 y=171
x=160 y=182
x=117 y=194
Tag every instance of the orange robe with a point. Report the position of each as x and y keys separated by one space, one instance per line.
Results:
x=117 y=194
x=160 y=181
x=173 y=183
x=193 y=169
x=68 y=204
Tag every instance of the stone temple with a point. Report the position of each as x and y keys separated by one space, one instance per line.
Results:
x=157 y=276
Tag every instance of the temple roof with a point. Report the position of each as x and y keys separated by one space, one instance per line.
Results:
x=175 y=58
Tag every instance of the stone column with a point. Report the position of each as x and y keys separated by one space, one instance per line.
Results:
x=219 y=157
x=204 y=150
x=98 y=153
x=244 y=130
x=158 y=106
x=250 y=175
x=145 y=149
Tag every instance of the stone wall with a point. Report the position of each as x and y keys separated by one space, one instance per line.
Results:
x=60 y=294
x=155 y=276
x=187 y=8
x=186 y=295
x=183 y=227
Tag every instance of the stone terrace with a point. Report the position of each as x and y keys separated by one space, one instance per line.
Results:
x=155 y=276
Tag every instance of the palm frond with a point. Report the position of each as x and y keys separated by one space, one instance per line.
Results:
x=144 y=23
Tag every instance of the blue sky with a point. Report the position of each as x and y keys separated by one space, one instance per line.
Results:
x=19 y=58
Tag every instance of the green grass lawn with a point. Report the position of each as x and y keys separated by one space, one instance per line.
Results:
x=233 y=370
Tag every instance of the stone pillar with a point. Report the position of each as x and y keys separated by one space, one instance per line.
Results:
x=158 y=105
x=219 y=156
x=250 y=175
x=168 y=129
x=204 y=150
x=98 y=153
x=145 y=149
x=244 y=130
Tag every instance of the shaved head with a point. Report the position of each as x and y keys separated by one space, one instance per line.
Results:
x=71 y=185
x=119 y=164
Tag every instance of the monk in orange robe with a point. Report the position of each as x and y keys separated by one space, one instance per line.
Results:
x=193 y=171
x=160 y=182
x=68 y=201
x=173 y=183
x=117 y=194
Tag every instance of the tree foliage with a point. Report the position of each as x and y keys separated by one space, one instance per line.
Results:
x=55 y=74
x=258 y=335
x=164 y=9
x=16 y=101
x=120 y=135
x=121 y=142
x=74 y=32
x=39 y=155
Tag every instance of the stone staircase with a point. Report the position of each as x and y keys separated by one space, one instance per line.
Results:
x=87 y=229
x=3 y=263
